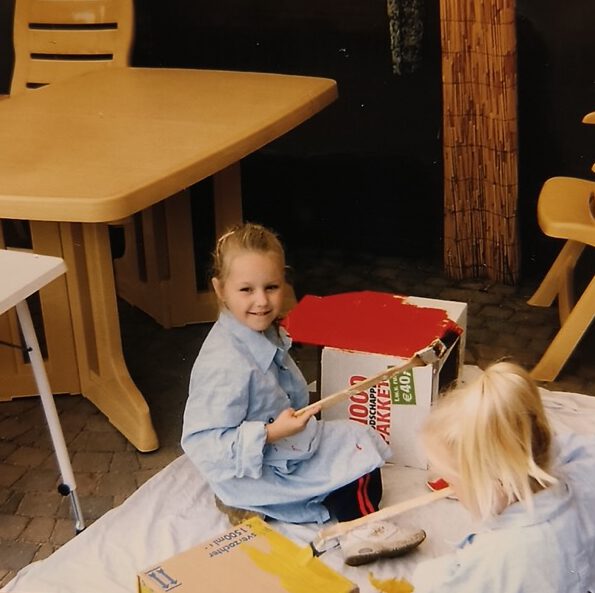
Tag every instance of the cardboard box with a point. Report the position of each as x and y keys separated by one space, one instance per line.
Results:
x=365 y=332
x=249 y=557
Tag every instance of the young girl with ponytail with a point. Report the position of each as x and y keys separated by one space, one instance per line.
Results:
x=533 y=492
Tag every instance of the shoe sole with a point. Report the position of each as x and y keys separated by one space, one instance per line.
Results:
x=393 y=553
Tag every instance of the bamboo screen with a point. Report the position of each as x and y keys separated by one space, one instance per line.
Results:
x=480 y=139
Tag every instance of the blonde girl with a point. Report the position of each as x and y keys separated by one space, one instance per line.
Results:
x=532 y=492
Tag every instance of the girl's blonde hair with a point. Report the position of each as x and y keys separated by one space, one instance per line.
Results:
x=492 y=435
x=244 y=237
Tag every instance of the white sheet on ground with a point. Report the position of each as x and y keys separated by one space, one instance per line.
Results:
x=175 y=510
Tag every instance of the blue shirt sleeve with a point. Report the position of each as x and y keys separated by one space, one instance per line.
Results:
x=216 y=435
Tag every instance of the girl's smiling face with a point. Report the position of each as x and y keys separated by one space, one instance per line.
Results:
x=254 y=288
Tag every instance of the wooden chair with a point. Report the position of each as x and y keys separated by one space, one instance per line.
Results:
x=22 y=275
x=565 y=210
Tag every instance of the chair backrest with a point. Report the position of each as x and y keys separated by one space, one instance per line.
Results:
x=57 y=39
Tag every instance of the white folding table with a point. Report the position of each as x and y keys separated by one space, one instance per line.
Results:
x=21 y=275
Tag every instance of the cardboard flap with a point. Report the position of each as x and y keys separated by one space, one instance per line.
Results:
x=249 y=557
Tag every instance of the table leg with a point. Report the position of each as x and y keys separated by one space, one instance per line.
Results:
x=68 y=485
x=157 y=272
x=104 y=378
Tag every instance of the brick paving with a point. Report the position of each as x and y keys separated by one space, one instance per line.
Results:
x=35 y=519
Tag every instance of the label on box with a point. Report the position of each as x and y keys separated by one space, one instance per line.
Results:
x=402 y=389
x=395 y=408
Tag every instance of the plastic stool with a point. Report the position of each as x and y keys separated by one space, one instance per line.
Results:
x=566 y=210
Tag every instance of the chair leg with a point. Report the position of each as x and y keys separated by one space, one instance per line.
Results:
x=68 y=486
x=568 y=337
x=558 y=280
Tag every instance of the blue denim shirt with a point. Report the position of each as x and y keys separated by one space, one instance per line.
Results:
x=243 y=379
x=548 y=550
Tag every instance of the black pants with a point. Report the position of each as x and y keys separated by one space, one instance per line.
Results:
x=356 y=499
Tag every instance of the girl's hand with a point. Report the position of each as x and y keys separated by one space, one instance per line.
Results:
x=287 y=424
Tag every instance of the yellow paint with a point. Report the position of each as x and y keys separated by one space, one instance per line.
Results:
x=304 y=555
x=142 y=588
x=284 y=560
x=390 y=585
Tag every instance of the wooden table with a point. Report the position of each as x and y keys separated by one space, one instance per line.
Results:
x=100 y=147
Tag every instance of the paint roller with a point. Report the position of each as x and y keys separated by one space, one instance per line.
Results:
x=431 y=354
x=315 y=547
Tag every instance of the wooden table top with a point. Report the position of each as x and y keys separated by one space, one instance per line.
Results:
x=106 y=144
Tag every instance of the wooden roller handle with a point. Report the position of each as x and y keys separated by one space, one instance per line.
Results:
x=333 y=398
x=390 y=511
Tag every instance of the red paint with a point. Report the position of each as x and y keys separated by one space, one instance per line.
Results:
x=367 y=321
x=438 y=484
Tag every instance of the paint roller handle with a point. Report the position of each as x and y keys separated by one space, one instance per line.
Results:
x=333 y=398
x=385 y=513
x=433 y=353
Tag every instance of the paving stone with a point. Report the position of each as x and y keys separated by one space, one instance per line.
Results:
x=470 y=357
x=6 y=576
x=28 y=456
x=19 y=405
x=143 y=475
x=114 y=483
x=473 y=310
x=473 y=284
x=158 y=459
x=44 y=551
x=11 y=526
x=16 y=555
x=91 y=461
x=34 y=505
x=38 y=530
x=497 y=312
x=497 y=326
x=543 y=332
x=63 y=532
x=502 y=290
x=98 y=441
x=510 y=341
x=38 y=480
x=86 y=482
x=12 y=427
x=51 y=463
x=488 y=353
x=527 y=318
x=6 y=448
x=73 y=422
x=11 y=503
x=99 y=423
x=96 y=506
x=37 y=437
x=68 y=402
x=9 y=473
x=124 y=461
x=120 y=498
